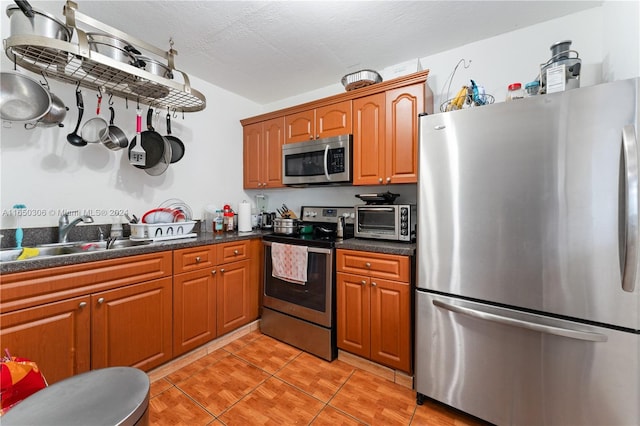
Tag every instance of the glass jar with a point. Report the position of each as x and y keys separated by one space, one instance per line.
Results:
x=532 y=88
x=515 y=92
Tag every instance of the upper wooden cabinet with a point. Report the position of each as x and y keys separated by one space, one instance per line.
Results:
x=262 y=154
x=385 y=136
x=321 y=122
x=382 y=117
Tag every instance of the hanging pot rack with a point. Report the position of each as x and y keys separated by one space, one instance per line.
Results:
x=68 y=62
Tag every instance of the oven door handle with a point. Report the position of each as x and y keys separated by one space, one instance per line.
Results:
x=309 y=249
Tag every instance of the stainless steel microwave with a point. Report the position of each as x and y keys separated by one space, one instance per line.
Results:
x=396 y=222
x=321 y=161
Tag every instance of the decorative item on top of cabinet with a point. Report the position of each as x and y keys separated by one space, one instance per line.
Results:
x=374 y=307
x=317 y=123
x=262 y=154
x=385 y=135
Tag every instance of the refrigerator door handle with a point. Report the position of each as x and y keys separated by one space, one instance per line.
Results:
x=548 y=329
x=629 y=247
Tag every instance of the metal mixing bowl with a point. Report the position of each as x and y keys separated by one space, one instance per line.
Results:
x=22 y=98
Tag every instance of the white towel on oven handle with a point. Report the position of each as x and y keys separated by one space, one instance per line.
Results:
x=289 y=262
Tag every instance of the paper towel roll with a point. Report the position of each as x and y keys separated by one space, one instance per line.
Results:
x=244 y=217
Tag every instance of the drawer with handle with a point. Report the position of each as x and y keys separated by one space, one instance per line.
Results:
x=194 y=258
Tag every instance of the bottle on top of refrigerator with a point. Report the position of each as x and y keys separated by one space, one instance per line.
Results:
x=515 y=91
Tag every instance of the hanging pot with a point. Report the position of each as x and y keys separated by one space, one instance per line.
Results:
x=54 y=117
x=113 y=137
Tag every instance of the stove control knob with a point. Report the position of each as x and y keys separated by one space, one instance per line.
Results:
x=313 y=214
x=352 y=215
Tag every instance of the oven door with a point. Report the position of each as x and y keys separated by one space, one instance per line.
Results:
x=311 y=301
x=377 y=222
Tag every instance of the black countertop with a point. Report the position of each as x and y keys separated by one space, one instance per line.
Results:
x=378 y=246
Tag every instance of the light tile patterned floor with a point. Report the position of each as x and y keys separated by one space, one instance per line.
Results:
x=257 y=380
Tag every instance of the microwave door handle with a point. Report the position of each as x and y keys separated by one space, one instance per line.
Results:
x=326 y=159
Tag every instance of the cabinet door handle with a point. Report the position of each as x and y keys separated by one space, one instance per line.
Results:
x=236 y=252
x=213 y=272
x=367 y=265
x=388 y=179
x=264 y=184
x=363 y=282
x=101 y=301
x=198 y=259
x=82 y=305
x=379 y=180
x=222 y=271
x=373 y=284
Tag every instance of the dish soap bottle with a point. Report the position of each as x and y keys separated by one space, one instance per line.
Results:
x=218 y=224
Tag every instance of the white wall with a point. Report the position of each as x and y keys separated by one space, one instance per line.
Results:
x=606 y=38
x=40 y=169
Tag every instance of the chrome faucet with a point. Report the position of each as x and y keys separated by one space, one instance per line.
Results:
x=64 y=226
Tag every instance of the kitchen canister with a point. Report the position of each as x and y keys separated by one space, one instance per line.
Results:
x=244 y=216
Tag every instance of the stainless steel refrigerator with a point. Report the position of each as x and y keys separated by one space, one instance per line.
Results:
x=528 y=293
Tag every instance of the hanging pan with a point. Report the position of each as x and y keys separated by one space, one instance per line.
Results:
x=152 y=142
x=177 y=147
x=113 y=137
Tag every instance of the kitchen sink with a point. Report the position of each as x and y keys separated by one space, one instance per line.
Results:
x=79 y=247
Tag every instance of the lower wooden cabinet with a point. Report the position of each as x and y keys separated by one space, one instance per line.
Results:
x=194 y=309
x=374 y=313
x=132 y=325
x=55 y=335
x=217 y=298
x=234 y=296
x=130 y=311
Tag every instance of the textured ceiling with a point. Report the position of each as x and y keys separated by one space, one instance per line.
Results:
x=270 y=50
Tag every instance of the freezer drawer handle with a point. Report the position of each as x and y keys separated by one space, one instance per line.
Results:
x=558 y=331
x=629 y=247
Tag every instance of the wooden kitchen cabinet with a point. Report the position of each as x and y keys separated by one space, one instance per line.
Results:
x=132 y=326
x=56 y=317
x=262 y=154
x=194 y=297
x=385 y=136
x=55 y=335
x=214 y=292
x=317 y=123
x=235 y=286
x=374 y=307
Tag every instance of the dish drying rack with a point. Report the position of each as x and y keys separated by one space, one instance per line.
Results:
x=67 y=62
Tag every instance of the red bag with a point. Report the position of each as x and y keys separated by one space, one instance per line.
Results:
x=19 y=378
